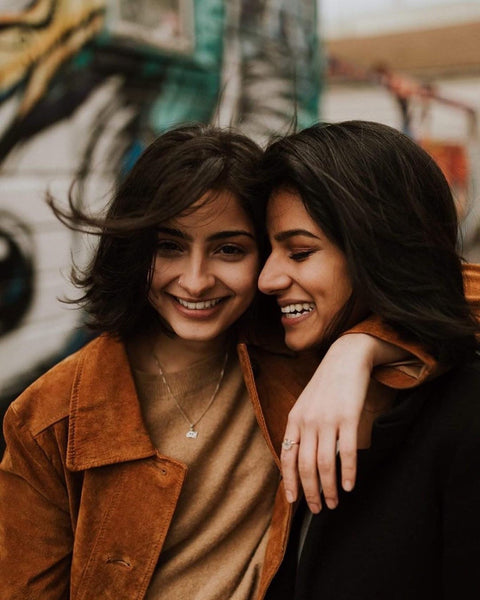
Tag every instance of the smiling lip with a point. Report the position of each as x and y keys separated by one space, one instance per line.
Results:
x=197 y=308
x=198 y=304
x=295 y=312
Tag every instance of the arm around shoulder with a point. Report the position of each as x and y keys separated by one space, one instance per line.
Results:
x=413 y=364
x=408 y=363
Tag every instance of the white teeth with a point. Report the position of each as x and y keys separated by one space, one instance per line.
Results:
x=198 y=305
x=295 y=310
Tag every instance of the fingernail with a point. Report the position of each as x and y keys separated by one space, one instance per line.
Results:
x=315 y=508
x=331 y=503
x=348 y=485
x=289 y=496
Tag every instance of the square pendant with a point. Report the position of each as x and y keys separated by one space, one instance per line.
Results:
x=191 y=433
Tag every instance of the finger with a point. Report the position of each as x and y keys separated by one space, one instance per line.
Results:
x=289 y=460
x=327 y=470
x=307 y=467
x=347 y=446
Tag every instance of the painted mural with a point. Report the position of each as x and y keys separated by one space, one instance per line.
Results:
x=85 y=85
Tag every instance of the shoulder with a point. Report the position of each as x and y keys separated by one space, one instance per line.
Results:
x=47 y=400
x=453 y=405
x=456 y=429
x=460 y=387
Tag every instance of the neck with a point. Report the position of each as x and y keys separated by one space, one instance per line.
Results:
x=174 y=353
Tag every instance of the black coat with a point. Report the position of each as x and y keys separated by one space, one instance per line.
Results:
x=411 y=528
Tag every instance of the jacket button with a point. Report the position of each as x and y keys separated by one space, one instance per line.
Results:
x=122 y=562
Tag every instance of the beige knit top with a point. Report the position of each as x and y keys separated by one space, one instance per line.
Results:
x=216 y=543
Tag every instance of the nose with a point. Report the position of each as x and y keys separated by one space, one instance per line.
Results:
x=273 y=278
x=196 y=277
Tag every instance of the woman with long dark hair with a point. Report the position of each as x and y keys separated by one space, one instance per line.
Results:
x=361 y=220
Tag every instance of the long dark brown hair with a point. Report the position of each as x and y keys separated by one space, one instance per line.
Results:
x=386 y=204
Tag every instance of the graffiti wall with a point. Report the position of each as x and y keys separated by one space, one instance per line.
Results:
x=85 y=85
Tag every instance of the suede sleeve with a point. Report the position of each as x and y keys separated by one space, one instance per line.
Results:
x=410 y=373
x=36 y=537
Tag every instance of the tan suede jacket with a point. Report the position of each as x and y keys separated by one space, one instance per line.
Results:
x=85 y=498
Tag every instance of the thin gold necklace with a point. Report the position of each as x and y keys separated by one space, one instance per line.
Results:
x=192 y=432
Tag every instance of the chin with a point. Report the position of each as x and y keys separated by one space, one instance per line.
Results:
x=189 y=337
x=295 y=345
x=300 y=345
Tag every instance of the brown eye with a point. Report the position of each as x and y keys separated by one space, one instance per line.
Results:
x=168 y=247
x=230 y=250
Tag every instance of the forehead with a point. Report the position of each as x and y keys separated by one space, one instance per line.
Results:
x=214 y=210
x=285 y=210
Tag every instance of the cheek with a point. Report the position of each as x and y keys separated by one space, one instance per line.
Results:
x=163 y=273
x=342 y=289
x=244 y=280
x=155 y=274
x=251 y=275
x=152 y=295
x=340 y=293
x=333 y=288
x=344 y=282
x=155 y=285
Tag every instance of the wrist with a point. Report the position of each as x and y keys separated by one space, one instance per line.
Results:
x=361 y=347
x=375 y=351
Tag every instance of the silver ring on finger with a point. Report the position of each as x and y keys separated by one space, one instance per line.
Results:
x=287 y=444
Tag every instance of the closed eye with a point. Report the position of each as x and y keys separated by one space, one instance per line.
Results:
x=299 y=256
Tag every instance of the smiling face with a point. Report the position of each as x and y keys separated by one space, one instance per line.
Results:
x=305 y=271
x=205 y=268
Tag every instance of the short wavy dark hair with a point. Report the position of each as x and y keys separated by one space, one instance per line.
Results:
x=175 y=171
x=386 y=204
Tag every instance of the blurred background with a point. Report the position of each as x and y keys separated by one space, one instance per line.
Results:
x=85 y=85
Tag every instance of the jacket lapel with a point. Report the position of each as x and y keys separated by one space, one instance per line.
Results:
x=106 y=424
x=128 y=491
x=274 y=387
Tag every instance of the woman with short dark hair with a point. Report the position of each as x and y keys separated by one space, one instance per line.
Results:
x=361 y=220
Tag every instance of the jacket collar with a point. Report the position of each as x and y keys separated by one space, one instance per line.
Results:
x=106 y=424
x=274 y=381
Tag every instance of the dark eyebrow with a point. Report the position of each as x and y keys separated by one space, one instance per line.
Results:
x=285 y=235
x=173 y=232
x=219 y=235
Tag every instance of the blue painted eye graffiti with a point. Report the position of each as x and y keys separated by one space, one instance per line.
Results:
x=16 y=271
